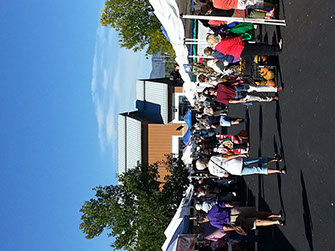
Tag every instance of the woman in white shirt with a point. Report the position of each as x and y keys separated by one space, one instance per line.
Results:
x=223 y=165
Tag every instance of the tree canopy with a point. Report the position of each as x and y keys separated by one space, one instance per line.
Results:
x=136 y=24
x=137 y=210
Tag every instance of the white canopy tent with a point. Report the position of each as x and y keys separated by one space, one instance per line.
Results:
x=167 y=12
x=178 y=222
x=187 y=154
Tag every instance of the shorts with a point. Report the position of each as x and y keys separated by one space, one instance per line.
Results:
x=248 y=170
x=244 y=215
x=225 y=121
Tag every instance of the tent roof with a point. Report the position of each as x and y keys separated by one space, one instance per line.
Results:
x=168 y=13
x=176 y=225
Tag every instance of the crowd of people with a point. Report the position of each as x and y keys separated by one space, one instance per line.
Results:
x=221 y=82
x=257 y=9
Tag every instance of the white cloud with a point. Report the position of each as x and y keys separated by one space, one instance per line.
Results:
x=114 y=75
x=94 y=72
x=100 y=119
x=117 y=81
x=110 y=125
x=105 y=79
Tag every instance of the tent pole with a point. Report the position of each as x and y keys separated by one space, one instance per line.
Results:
x=209 y=57
x=238 y=19
x=196 y=42
x=194 y=39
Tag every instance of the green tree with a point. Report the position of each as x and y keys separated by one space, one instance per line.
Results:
x=176 y=182
x=137 y=211
x=136 y=24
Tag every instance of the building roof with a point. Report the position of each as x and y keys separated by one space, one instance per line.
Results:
x=152 y=107
x=129 y=142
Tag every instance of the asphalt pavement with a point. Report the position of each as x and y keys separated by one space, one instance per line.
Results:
x=301 y=128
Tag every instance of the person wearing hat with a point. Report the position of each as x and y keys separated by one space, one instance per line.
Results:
x=222 y=165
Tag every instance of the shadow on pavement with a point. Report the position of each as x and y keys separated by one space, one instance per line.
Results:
x=279 y=151
x=307 y=213
x=283 y=212
x=260 y=123
x=281 y=10
x=247 y=120
x=271 y=238
x=280 y=75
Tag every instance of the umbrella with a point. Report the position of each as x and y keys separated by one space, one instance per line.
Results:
x=188 y=120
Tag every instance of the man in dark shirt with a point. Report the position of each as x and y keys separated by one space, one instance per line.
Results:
x=227 y=93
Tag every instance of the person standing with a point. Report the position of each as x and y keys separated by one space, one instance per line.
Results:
x=222 y=165
x=235 y=46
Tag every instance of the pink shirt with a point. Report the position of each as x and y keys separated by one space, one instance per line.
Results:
x=225 y=4
x=212 y=233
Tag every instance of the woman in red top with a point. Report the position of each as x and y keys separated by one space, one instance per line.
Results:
x=230 y=93
x=236 y=47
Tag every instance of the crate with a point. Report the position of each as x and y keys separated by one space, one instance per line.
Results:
x=251 y=70
x=256 y=74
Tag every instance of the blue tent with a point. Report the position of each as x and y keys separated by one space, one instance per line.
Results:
x=165 y=33
x=188 y=120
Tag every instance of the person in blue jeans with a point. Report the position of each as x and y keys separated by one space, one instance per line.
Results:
x=222 y=165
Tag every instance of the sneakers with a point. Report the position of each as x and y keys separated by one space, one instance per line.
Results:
x=278 y=158
x=283 y=171
x=280 y=44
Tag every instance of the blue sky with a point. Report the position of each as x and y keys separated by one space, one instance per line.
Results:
x=63 y=81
